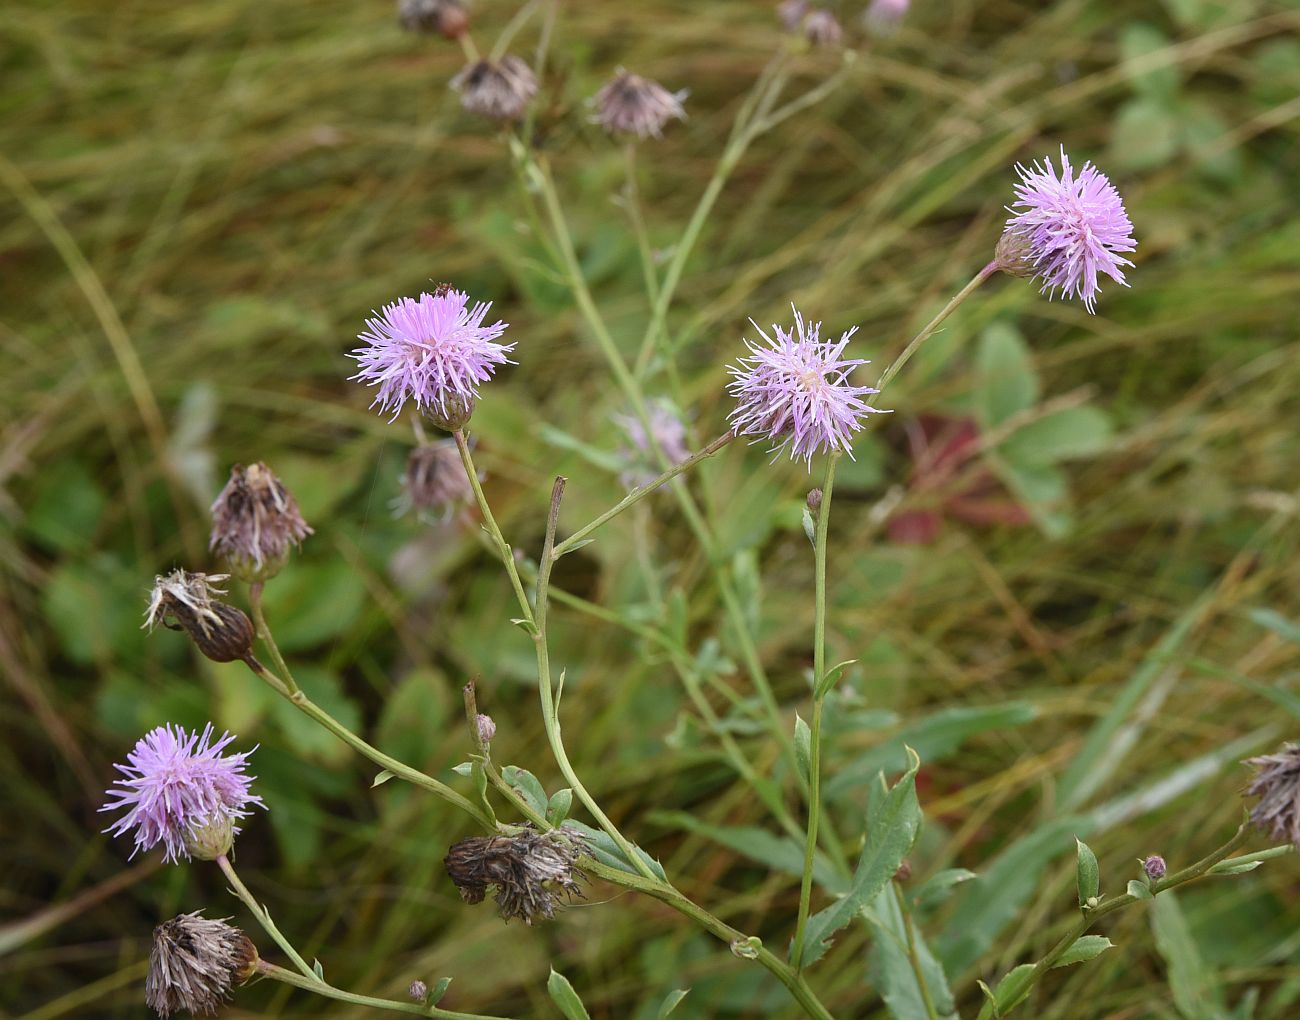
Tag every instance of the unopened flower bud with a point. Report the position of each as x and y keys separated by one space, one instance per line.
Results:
x=487 y=729
x=418 y=991
x=499 y=90
x=211 y=839
x=1014 y=254
x=194 y=964
x=1154 y=866
x=904 y=872
x=255 y=522
x=822 y=29
x=814 y=500
x=446 y=17
x=184 y=601
x=453 y=415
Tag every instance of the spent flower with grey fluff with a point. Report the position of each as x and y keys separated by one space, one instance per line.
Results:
x=435 y=484
x=669 y=435
x=255 y=523
x=1155 y=867
x=195 y=963
x=794 y=390
x=496 y=89
x=1066 y=230
x=446 y=17
x=186 y=601
x=1277 y=785
x=631 y=105
x=791 y=12
x=528 y=871
x=180 y=791
x=822 y=29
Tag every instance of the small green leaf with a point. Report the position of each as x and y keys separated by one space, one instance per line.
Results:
x=803 y=748
x=1087 y=873
x=671 y=1002
x=527 y=785
x=604 y=849
x=1086 y=947
x=1234 y=868
x=438 y=990
x=832 y=677
x=317 y=968
x=1271 y=619
x=559 y=806
x=465 y=768
x=809 y=525
x=565 y=997
x=1138 y=889
x=1014 y=988
x=380 y=779
x=939 y=886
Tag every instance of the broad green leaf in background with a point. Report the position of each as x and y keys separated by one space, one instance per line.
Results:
x=893 y=821
x=1070 y=432
x=939 y=887
x=1007 y=383
x=1271 y=619
x=1085 y=948
x=1137 y=42
x=780 y=853
x=565 y=997
x=1144 y=135
x=308 y=737
x=1194 y=985
x=413 y=724
x=309 y=603
x=890 y=966
x=65 y=508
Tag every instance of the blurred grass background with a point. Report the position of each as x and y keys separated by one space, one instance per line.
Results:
x=201 y=204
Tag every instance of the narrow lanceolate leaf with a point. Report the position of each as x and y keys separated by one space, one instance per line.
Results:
x=803 y=748
x=890 y=966
x=1088 y=874
x=939 y=887
x=832 y=677
x=1086 y=947
x=381 y=778
x=527 y=785
x=893 y=821
x=670 y=1003
x=1012 y=990
x=565 y=997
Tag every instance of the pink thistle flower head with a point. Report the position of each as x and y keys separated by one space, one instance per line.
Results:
x=631 y=105
x=1066 y=230
x=883 y=16
x=179 y=790
x=434 y=350
x=822 y=29
x=669 y=434
x=794 y=390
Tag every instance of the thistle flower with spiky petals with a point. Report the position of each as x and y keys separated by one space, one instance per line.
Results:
x=255 y=522
x=669 y=434
x=499 y=90
x=181 y=791
x=794 y=391
x=435 y=483
x=631 y=105
x=194 y=964
x=220 y=631
x=1277 y=785
x=433 y=350
x=883 y=16
x=1066 y=230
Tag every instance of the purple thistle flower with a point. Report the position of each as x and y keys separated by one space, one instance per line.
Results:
x=178 y=788
x=1066 y=229
x=794 y=390
x=435 y=351
x=669 y=434
x=883 y=16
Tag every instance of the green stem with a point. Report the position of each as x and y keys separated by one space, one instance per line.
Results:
x=632 y=202
x=640 y=493
x=1090 y=917
x=403 y=771
x=913 y=955
x=264 y=919
x=264 y=632
x=503 y=547
x=512 y=28
x=934 y=324
x=819 y=699
x=288 y=977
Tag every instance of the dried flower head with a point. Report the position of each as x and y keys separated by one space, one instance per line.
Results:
x=418 y=991
x=195 y=963
x=631 y=105
x=794 y=391
x=883 y=16
x=1066 y=230
x=435 y=483
x=499 y=90
x=669 y=435
x=433 y=350
x=528 y=871
x=822 y=29
x=790 y=13
x=255 y=522
x=1277 y=785
x=446 y=17
x=219 y=630
x=1155 y=867
x=182 y=792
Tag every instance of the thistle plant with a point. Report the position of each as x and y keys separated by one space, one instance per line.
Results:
x=435 y=357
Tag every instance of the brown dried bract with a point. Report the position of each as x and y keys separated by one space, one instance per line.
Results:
x=529 y=872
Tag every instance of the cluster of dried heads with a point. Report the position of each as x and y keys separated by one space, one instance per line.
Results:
x=529 y=871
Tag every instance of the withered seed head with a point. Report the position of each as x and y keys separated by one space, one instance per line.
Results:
x=528 y=871
x=255 y=521
x=1277 y=785
x=194 y=964
x=220 y=631
x=446 y=17
x=435 y=483
x=498 y=90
